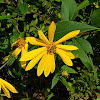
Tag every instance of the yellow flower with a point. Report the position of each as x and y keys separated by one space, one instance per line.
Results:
x=46 y=53
x=8 y=14
x=64 y=73
x=22 y=46
x=96 y=5
x=7 y=86
x=29 y=6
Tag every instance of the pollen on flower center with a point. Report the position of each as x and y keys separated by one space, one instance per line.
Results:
x=51 y=48
x=20 y=42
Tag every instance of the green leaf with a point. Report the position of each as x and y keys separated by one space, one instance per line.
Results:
x=58 y=0
x=9 y=71
x=82 y=54
x=68 y=69
x=34 y=22
x=95 y=18
x=63 y=80
x=14 y=36
x=91 y=1
x=50 y=96
x=67 y=26
x=69 y=10
x=94 y=69
x=83 y=4
x=85 y=45
x=6 y=17
x=55 y=80
x=1 y=1
x=23 y=8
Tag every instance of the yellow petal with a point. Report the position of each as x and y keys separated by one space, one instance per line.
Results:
x=32 y=54
x=68 y=36
x=69 y=54
x=0 y=87
x=47 y=65
x=64 y=57
x=43 y=37
x=16 y=52
x=6 y=92
x=34 y=61
x=51 y=31
x=23 y=63
x=67 y=47
x=41 y=64
x=23 y=52
x=26 y=47
x=13 y=44
x=34 y=41
x=9 y=86
x=53 y=63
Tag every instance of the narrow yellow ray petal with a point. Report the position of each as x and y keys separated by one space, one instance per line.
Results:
x=23 y=63
x=51 y=31
x=43 y=37
x=13 y=44
x=41 y=65
x=6 y=92
x=30 y=55
x=64 y=57
x=68 y=36
x=48 y=65
x=16 y=52
x=26 y=47
x=67 y=47
x=34 y=41
x=53 y=63
x=0 y=87
x=9 y=86
x=34 y=61
x=69 y=54
x=23 y=51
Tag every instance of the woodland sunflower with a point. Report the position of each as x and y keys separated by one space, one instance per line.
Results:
x=22 y=46
x=46 y=53
x=6 y=87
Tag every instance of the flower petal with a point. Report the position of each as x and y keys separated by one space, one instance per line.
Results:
x=34 y=41
x=26 y=47
x=0 y=87
x=69 y=54
x=41 y=64
x=47 y=65
x=30 y=55
x=43 y=37
x=67 y=47
x=23 y=63
x=23 y=51
x=64 y=57
x=51 y=31
x=16 y=52
x=6 y=92
x=9 y=86
x=53 y=63
x=13 y=44
x=34 y=61
x=68 y=36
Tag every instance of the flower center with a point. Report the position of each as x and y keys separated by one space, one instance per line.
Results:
x=20 y=42
x=51 y=48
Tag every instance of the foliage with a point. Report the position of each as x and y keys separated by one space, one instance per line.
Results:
x=23 y=18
